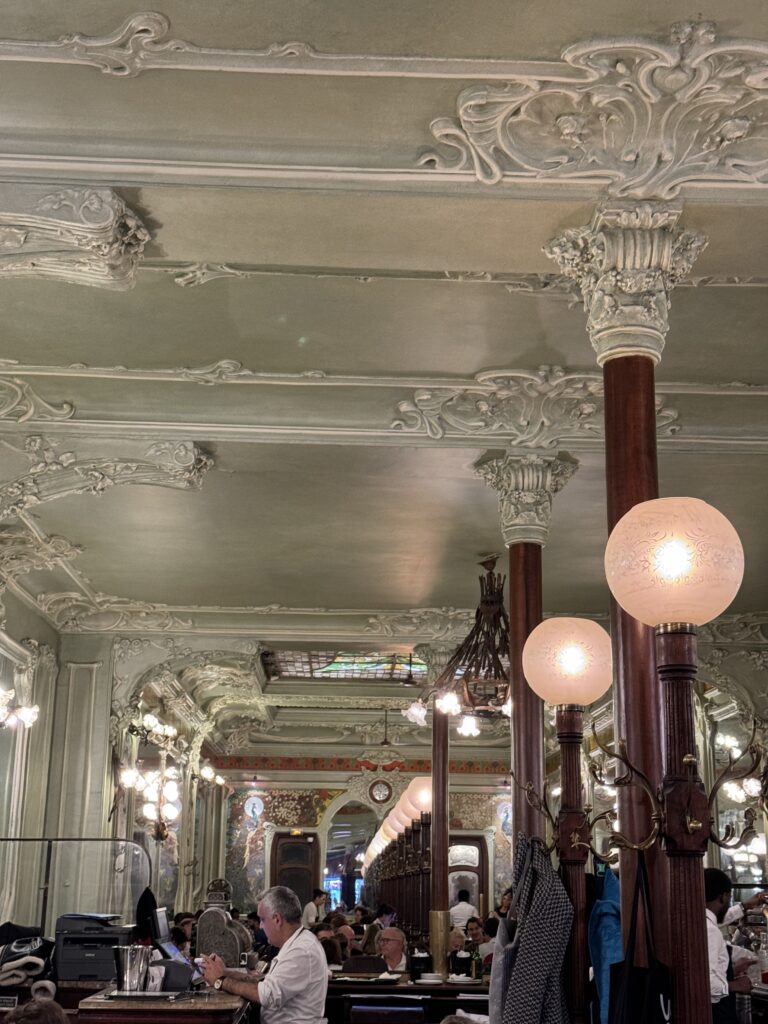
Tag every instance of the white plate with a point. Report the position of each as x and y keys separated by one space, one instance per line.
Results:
x=462 y=981
x=428 y=981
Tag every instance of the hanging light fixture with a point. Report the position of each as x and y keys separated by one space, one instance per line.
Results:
x=475 y=682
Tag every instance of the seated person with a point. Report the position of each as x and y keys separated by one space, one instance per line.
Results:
x=332 y=950
x=490 y=928
x=361 y=916
x=475 y=932
x=385 y=917
x=456 y=940
x=390 y=945
x=346 y=936
x=253 y=923
x=503 y=907
x=297 y=983
x=180 y=939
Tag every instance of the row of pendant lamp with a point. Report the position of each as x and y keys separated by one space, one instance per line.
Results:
x=415 y=799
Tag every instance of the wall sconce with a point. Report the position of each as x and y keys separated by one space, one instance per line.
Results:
x=208 y=776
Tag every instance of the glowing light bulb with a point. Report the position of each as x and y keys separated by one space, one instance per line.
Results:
x=152 y=792
x=207 y=773
x=448 y=703
x=171 y=790
x=468 y=726
x=572 y=659
x=673 y=559
x=220 y=780
x=149 y=810
x=129 y=777
x=169 y=812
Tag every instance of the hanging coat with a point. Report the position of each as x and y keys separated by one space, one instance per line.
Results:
x=606 y=945
x=544 y=916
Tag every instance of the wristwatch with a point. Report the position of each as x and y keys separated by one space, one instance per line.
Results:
x=218 y=983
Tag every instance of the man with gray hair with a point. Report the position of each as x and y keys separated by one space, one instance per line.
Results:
x=294 y=990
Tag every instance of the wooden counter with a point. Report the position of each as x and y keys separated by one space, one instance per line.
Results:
x=187 y=1008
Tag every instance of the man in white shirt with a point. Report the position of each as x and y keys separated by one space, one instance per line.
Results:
x=294 y=991
x=724 y=982
x=461 y=912
x=311 y=913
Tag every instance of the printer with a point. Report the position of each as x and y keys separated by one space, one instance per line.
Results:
x=85 y=945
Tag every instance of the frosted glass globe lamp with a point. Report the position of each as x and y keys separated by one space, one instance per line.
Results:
x=568 y=661
x=674 y=560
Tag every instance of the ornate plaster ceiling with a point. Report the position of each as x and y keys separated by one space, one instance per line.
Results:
x=247 y=403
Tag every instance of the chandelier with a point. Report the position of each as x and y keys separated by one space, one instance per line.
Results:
x=160 y=792
x=159 y=789
x=12 y=714
x=209 y=776
x=475 y=682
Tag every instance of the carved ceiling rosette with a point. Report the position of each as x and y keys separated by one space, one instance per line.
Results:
x=644 y=117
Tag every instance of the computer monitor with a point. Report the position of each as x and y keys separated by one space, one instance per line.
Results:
x=161 y=927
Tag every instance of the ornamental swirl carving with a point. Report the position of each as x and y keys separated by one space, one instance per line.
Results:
x=538 y=409
x=643 y=116
x=84 y=613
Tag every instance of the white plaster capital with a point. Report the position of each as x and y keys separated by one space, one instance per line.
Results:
x=626 y=263
x=525 y=485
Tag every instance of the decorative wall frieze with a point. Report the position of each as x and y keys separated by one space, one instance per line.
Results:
x=53 y=474
x=539 y=409
x=19 y=402
x=626 y=263
x=23 y=551
x=144 y=42
x=639 y=116
x=736 y=630
x=525 y=486
x=74 y=612
x=433 y=623
x=554 y=286
x=81 y=235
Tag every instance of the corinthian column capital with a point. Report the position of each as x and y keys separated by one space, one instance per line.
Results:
x=626 y=263
x=525 y=485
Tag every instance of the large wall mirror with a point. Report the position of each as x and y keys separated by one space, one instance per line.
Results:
x=351 y=829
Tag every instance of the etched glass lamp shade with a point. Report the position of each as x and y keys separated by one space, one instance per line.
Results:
x=674 y=560
x=568 y=661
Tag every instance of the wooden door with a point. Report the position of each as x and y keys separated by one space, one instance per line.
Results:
x=295 y=863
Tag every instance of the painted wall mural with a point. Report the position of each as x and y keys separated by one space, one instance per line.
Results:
x=477 y=811
x=250 y=810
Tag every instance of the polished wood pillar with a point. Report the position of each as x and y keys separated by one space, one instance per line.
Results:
x=439 y=829
x=632 y=477
x=686 y=824
x=569 y=725
x=527 y=722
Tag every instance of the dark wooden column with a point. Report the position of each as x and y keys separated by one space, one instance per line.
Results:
x=631 y=477
x=527 y=722
x=686 y=828
x=569 y=723
x=439 y=830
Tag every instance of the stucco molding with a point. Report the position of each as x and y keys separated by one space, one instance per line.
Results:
x=642 y=117
x=75 y=612
x=82 y=235
x=525 y=486
x=23 y=551
x=626 y=263
x=53 y=474
x=20 y=403
x=531 y=409
x=736 y=630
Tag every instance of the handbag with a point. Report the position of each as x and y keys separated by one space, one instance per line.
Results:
x=640 y=995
